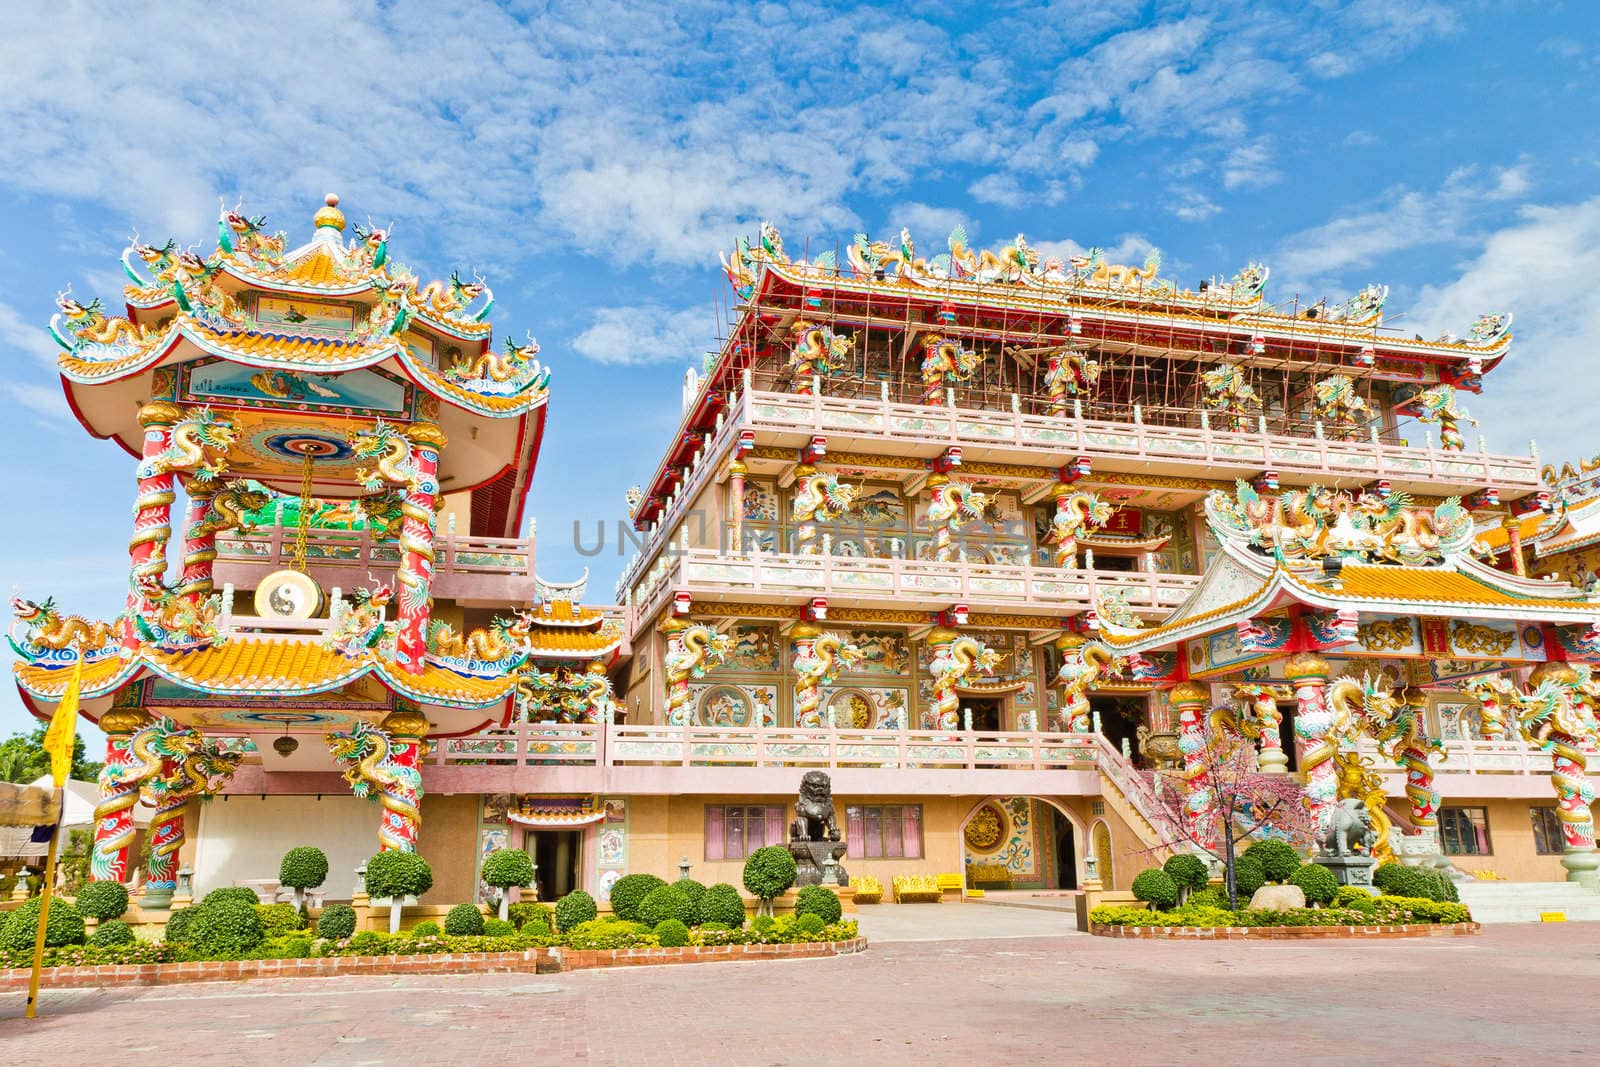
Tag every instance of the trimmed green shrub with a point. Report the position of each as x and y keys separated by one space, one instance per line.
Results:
x=820 y=901
x=1248 y=876
x=1278 y=859
x=604 y=933
x=64 y=928
x=337 y=922
x=111 y=932
x=178 y=924
x=498 y=928
x=426 y=928
x=507 y=868
x=1398 y=880
x=278 y=919
x=1317 y=882
x=239 y=893
x=1189 y=872
x=303 y=868
x=810 y=924
x=763 y=924
x=226 y=929
x=575 y=908
x=464 y=920
x=1355 y=898
x=369 y=943
x=1212 y=896
x=672 y=933
x=103 y=900
x=666 y=902
x=1442 y=885
x=769 y=872
x=297 y=948
x=629 y=892
x=1156 y=888
x=538 y=926
x=722 y=904
x=696 y=892
x=524 y=910
x=398 y=874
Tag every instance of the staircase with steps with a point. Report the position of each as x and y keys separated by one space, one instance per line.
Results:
x=1521 y=902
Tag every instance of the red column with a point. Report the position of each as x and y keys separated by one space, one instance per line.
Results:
x=416 y=546
x=401 y=796
x=1189 y=701
x=152 y=521
x=119 y=792
x=199 y=543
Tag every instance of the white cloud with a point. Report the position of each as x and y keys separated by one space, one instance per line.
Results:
x=929 y=224
x=46 y=401
x=1541 y=268
x=1249 y=166
x=1191 y=205
x=647 y=333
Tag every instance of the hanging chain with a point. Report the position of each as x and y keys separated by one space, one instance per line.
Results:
x=299 y=561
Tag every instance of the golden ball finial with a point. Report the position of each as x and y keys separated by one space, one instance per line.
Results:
x=329 y=215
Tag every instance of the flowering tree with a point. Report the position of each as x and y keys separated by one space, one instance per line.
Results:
x=1219 y=801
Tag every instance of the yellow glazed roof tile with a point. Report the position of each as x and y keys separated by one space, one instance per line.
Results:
x=1427 y=585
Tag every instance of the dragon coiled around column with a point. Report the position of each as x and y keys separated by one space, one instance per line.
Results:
x=1335 y=398
x=830 y=652
x=1082 y=668
x=1438 y=404
x=1495 y=695
x=1075 y=513
x=150 y=752
x=1228 y=391
x=954 y=664
x=700 y=649
x=817 y=351
x=394 y=463
x=369 y=766
x=1069 y=374
x=200 y=445
x=946 y=362
x=1369 y=707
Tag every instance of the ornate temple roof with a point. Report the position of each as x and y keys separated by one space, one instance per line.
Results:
x=300 y=344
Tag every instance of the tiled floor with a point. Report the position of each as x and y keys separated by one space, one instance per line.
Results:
x=1514 y=994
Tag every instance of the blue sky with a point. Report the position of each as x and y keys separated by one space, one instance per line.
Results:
x=593 y=159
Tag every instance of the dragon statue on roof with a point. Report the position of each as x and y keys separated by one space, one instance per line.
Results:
x=1335 y=398
x=1487 y=329
x=38 y=629
x=1362 y=309
x=244 y=239
x=818 y=352
x=504 y=373
x=1317 y=523
x=359 y=626
x=1229 y=392
x=85 y=330
x=1096 y=271
x=502 y=641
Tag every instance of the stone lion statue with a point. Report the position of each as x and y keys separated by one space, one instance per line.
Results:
x=1351 y=826
x=813 y=810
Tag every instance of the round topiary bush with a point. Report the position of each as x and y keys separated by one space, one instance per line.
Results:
x=464 y=920
x=666 y=902
x=574 y=908
x=820 y=901
x=498 y=928
x=762 y=924
x=722 y=904
x=1248 y=877
x=1317 y=882
x=103 y=900
x=1278 y=859
x=672 y=933
x=278 y=920
x=337 y=922
x=508 y=868
x=629 y=891
x=538 y=926
x=303 y=868
x=1355 y=898
x=696 y=892
x=111 y=932
x=426 y=928
x=231 y=892
x=394 y=873
x=226 y=929
x=809 y=924
x=178 y=923
x=1441 y=887
x=1156 y=888
x=65 y=926
x=769 y=872
x=1188 y=871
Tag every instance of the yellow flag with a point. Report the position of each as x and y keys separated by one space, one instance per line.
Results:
x=62 y=735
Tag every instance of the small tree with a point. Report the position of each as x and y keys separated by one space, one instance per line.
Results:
x=301 y=869
x=507 y=869
x=103 y=900
x=396 y=876
x=1244 y=805
x=768 y=873
x=1188 y=872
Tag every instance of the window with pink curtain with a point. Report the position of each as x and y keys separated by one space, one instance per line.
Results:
x=714 y=831
x=911 y=831
x=733 y=831
x=776 y=834
x=854 y=832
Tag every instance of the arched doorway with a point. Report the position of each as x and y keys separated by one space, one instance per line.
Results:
x=1022 y=843
x=1101 y=838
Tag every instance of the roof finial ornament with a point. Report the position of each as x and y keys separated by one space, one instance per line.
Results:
x=330 y=216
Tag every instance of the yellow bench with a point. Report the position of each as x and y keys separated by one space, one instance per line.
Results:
x=916 y=889
x=994 y=875
x=868 y=889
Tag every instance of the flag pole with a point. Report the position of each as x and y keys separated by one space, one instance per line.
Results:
x=44 y=906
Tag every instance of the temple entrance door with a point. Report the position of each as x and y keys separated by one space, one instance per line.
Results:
x=1286 y=734
x=985 y=712
x=1066 y=852
x=557 y=858
x=1119 y=718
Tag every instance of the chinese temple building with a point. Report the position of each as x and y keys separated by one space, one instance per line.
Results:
x=987 y=536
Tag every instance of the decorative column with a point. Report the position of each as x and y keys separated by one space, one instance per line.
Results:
x=1189 y=701
x=804 y=509
x=1055 y=378
x=1063 y=530
x=1519 y=566
x=807 y=679
x=152 y=515
x=416 y=546
x=736 y=472
x=679 y=713
x=1569 y=771
x=166 y=838
x=401 y=795
x=201 y=768
x=1264 y=709
x=955 y=660
x=1308 y=673
x=199 y=541
x=120 y=779
x=1412 y=753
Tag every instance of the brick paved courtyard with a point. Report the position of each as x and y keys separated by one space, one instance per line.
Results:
x=1512 y=994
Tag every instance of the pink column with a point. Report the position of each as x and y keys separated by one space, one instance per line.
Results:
x=1189 y=701
x=120 y=779
x=152 y=520
x=1308 y=673
x=736 y=473
x=416 y=546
